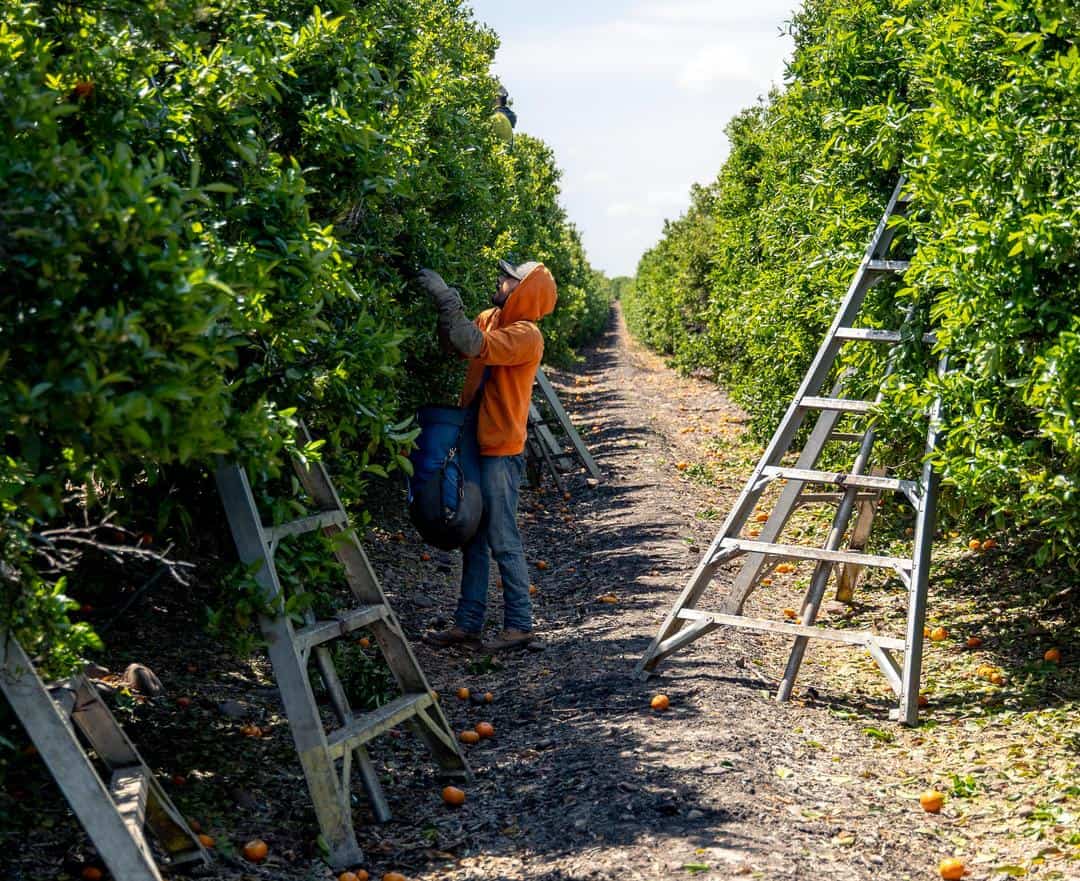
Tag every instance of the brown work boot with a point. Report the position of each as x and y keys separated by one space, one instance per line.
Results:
x=509 y=639
x=444 y=639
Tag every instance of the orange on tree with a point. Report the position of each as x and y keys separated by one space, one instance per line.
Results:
x=660 y=702
x=952 y=869
x=255 y=851
x=469 y=736
x=485 y=729
x=931 y=801
x=1052 y=655
x=453 y=796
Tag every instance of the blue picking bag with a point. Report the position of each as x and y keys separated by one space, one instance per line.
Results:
x=445 y=503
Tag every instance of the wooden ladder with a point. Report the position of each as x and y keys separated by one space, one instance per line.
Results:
x=542 y=445
x=291 y=650
x=856 y=489
x=114 y=815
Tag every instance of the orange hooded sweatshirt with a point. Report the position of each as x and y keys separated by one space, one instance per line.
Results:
x=513 y=348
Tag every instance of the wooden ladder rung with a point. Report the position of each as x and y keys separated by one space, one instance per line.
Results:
x=812 y=402
x=323 y=631
x=130 y=790
x=305 y=524
x=797 y=552
x=368 y=726
x=840 y=478
x=852 y=637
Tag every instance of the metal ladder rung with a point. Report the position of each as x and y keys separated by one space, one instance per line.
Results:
x=813 y=402
x=840 y=478
x=130 y=790
x=868 y=334
x=877 y=335
x=323 y=631
x=833 y=498
x=851 y=436
x=888 y=265
x=305 y=524
x=370 y=725
x=797 y=552
x=851 y=637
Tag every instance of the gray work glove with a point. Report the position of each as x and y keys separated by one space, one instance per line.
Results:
x=455 y=329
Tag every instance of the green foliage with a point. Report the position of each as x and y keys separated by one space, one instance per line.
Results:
x=979 y=105
x=211 y=215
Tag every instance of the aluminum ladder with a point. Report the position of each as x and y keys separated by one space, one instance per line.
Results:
x=114 y=815
x=541 y=443
x=853 y=491
x=326 y=757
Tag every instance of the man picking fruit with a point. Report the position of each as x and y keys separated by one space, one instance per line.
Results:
x=504 y=347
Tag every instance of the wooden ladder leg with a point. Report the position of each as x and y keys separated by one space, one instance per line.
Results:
x=125 y=855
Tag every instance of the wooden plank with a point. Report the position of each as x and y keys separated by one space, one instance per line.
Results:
x=552 y=398
x=322 y=631
x=797 y=552
x=71 y=767
x=305 y=524
x=844 y=405
x=864 y=638
x=367 y=726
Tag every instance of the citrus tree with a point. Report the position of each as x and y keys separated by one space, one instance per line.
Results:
x=211 y=217
x=978 y=105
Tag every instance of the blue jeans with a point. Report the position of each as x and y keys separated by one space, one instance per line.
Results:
x=498 y=537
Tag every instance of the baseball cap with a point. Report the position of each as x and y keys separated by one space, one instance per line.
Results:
x=520 y=271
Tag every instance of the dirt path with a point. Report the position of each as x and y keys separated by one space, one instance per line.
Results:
x=583 y=780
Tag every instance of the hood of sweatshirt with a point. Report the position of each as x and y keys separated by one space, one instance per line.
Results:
x=533 y=298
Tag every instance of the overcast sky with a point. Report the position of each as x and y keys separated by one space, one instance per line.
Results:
x=633 y=97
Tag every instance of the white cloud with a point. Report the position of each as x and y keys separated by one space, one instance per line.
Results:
x=711 y=65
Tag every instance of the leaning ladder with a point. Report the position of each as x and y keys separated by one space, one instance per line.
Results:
x=291 y=650
x=541 y=441
x=114 y=816
x=854 y=489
